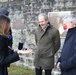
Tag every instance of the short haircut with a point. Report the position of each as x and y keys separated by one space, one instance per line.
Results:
x=44 y=15
x=69 y=18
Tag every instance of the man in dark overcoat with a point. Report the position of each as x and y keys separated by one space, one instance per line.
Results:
x=67 y=61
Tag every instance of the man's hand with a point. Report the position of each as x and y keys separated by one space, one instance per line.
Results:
x=58 y=65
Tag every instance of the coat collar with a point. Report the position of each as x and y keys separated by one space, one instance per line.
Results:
x=72 y=29
x=48 y=24
x=41 y=32
x=70 y=32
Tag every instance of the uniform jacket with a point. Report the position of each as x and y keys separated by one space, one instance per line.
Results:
x=48 y=43
x=5 y=57
x=68 y=55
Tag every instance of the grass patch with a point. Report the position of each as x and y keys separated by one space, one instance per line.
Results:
x=19 y=70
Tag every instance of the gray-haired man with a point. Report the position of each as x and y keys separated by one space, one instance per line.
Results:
x=48 y=42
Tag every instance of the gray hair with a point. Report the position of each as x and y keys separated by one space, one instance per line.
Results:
x=69 y=18
x=44 y=15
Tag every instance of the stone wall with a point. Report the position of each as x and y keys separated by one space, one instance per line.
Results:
x=23 y=15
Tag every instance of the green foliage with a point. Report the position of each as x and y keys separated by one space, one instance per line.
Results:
x=18 y=70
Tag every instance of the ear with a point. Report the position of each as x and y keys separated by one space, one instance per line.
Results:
x=72 y=22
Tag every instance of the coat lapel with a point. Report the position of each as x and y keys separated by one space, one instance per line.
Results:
x=40 y=33
x=69 y=33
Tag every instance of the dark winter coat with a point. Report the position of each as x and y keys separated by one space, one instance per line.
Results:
x=68 y=55
x=48 y=43
x=5 y=57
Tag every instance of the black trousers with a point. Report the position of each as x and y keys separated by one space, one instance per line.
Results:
x=39 y=71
